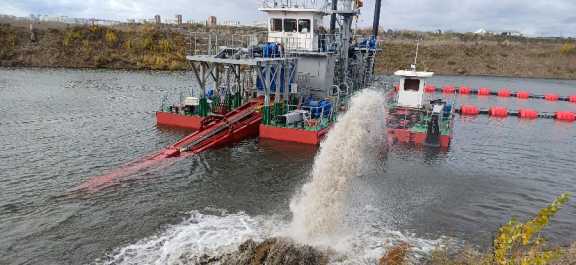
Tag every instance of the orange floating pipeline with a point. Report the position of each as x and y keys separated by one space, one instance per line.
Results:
x=499 y=112
x=430 y=89
x=484 y=91
x=523 y=94
x=551 y=97
x=448 y=90
x=565 y=116
x=504 y=92
x=464 y=90
x=572 y=99
x=529 y=114
x=469 y=110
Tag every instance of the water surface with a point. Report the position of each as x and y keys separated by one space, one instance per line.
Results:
x=60 y=127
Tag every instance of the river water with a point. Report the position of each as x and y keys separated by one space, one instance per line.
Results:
x=60 y=127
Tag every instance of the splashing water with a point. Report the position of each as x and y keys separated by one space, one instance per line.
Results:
x=350 y=150
x=200 y=234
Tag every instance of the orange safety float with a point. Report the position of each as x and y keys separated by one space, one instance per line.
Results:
x=499 y=112
x=523 y=94
x=527 y=114
x=572 y=99
x=464 y=90
x=469 y=110
x=430 y=89
x=448 y=90
x=551 y=97
x=483 y=91
x=504 y=92
x=565 y=116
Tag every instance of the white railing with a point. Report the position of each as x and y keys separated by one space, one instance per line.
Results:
x=304 y=4
x=209 y=43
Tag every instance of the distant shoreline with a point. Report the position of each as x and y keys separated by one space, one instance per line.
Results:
x=152 y=47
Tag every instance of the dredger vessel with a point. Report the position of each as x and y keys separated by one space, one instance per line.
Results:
x=287 y=84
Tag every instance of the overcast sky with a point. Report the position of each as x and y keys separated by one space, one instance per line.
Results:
x=533 y=17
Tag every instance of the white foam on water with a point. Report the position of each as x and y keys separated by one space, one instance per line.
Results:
x=351 y=149
x=200 y=234
x=216 y=235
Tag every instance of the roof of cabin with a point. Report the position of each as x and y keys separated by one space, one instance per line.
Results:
x=410 y=73
x=294 y=10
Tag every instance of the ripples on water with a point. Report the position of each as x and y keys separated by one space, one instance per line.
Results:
x=59 y=127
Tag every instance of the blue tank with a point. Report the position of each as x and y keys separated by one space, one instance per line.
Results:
x=317 y=107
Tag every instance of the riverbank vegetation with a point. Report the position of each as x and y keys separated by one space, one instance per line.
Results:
x=515 y=243
x=164 y=47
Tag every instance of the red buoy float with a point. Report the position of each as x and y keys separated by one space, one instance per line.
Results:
x=528 y=114
x=483 y=91
x=572 y=99
x=464 y=90
x=504 y=92
x=565 y=116
x=469 y=110
x=430 y=89
x=551 y=97
x=523 y=94
x=499 y=112
x=448 y=90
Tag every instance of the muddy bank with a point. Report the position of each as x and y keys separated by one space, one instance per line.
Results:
x=164 y=48
x=535 y=59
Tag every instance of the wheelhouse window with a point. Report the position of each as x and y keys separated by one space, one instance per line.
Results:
x=290 y=25
x=411 y=85
x=276 y=25
x=304 y=25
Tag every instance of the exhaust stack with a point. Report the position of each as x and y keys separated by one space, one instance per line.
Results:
x=376 y=25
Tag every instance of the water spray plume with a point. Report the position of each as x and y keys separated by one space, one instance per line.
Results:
x=350 y=150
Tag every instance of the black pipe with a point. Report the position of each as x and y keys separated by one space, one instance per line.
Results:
x=333 y=18
x=376 y=25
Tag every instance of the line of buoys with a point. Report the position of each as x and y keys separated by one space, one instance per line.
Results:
x=525 y=113
x=503 y=92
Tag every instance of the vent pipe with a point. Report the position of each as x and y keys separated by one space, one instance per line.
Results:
x=376 y=25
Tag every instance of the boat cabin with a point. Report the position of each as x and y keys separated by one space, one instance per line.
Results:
x=296 y=28
x=300 y=31
x=411 y=90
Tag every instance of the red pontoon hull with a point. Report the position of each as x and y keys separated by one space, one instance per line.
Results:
x=292 y=135
x=405 y=136
x=180 y=121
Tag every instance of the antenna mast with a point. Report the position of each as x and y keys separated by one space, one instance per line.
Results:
x=413 y=67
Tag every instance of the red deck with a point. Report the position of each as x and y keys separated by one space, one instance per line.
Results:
x=292 y=135
x=180 y=121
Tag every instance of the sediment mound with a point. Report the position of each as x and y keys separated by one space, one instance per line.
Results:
x=273 y=251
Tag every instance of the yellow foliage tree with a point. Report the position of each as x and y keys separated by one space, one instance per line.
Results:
x=71 y=36
x=166 y=46
x=515 y=243
x=111 y=38
x=147 y=43
x=568 y=48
